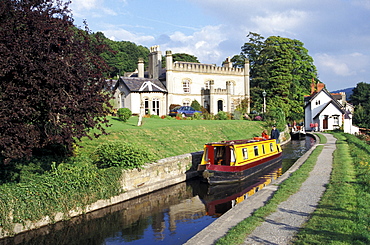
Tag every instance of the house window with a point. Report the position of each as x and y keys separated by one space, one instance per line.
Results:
x=186 y=103
x=146 y=106
x=155 y=106
x=186 y=86
x=206 y=84
x=336 y=120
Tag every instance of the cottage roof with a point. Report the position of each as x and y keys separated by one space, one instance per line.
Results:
x=309 y=99
x=138 y=84
x=333 y=102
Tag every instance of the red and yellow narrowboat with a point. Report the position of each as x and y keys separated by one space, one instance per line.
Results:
x=233 y=161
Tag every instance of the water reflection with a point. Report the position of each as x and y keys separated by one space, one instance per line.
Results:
x=169 y=216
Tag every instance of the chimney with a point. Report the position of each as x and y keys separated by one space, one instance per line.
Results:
x=227 y=63
x=155 y=62
x=320 y=86
x=313 y=87
x=140 y=67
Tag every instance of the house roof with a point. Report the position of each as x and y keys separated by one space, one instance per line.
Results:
x=309 y=99
x=336 y=104
x=138 y=84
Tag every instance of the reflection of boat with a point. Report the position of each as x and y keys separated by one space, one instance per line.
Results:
x=228 y=162
x=218 y=199
x=298 y=132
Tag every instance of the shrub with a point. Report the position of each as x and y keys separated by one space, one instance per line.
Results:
x=221 y=115
x=197 y=115
x=121 y=154
x=195 y=104
x=124 y=114
x=258 y=118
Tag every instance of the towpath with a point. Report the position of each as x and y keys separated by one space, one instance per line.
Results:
x=281 y=226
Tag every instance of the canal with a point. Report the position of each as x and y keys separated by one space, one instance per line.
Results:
x=168 y=216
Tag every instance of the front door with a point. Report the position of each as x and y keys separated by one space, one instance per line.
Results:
x=325 y=122
x=220 y=105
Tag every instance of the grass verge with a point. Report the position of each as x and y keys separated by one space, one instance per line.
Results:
x=238 y=233
x=343 y=214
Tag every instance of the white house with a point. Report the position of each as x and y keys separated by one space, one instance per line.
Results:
x=216 y=88
x=328 y=111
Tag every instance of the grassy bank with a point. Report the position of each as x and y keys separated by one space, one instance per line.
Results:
x=343 y=214
x=237 y=234
x=166 y=138
x=77 y=182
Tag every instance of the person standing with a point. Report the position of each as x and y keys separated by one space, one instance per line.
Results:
x=275 y=134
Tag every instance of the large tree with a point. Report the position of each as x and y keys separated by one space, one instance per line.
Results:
x=360 y=98
x=51 y=84
x=283 y=68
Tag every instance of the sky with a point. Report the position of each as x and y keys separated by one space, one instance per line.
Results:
x=336 y=33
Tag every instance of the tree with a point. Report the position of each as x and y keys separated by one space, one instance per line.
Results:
x=122 y=56
x=360 y=98
x=52 y=88
x=181 y=57
x=282 y=68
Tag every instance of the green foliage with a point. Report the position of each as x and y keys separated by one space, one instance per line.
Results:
x=124 y=114
x=198 y=115
x=123 y=56
x=66 y=187
x=125 y=155
x=181 y=57
x=281 y=67
x=221 y=115
x=276 y=116
x=361 y=99
x=195 y=104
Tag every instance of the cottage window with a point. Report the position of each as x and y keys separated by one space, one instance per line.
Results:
x=186 y=86
x=336 y=120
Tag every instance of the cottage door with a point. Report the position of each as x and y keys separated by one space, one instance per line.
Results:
x=325 y=122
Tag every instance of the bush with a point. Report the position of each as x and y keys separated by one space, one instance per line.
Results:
x=221 y=115
x=124 y=114
x=195 y=104
x=121 y=154
x=197 y=115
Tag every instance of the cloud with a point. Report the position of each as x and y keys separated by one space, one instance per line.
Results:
x=122 y=34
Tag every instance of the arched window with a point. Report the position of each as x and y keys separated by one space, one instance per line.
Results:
x=146 y=106
x=186 y=85
x=186 y=102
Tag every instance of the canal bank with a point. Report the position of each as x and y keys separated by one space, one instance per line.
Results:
x=279 y=227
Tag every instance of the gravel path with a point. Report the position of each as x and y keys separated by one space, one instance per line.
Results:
x=281 y=226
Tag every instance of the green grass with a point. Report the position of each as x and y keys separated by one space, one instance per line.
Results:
x=322 y=138
x=165 y=138
x=237 y=234
x=343 y=214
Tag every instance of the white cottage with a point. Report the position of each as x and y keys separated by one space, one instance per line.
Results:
x=215 y=88
x=327 y=111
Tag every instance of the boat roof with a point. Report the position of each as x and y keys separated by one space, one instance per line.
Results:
x=237 y=142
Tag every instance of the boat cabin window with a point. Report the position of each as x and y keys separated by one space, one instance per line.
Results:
x=263 y=149
x=256 y=150
x=245 y=153
x=232 y=156
x=271 y=147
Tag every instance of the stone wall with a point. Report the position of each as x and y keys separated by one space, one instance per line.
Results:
x=152 y=177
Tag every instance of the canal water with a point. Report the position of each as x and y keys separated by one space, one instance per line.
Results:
x=168 y=216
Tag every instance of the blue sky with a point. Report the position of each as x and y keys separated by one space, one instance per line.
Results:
x=335 y=32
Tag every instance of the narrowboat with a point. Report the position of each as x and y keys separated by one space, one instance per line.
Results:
x=233 y=161
x=298 y=133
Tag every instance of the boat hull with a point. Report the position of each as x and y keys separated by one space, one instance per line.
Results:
x=298 y=135
x=218 y=174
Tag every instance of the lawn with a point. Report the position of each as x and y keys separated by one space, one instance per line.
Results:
x=166 y=138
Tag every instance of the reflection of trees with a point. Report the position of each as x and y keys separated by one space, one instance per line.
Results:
x=135 y=231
